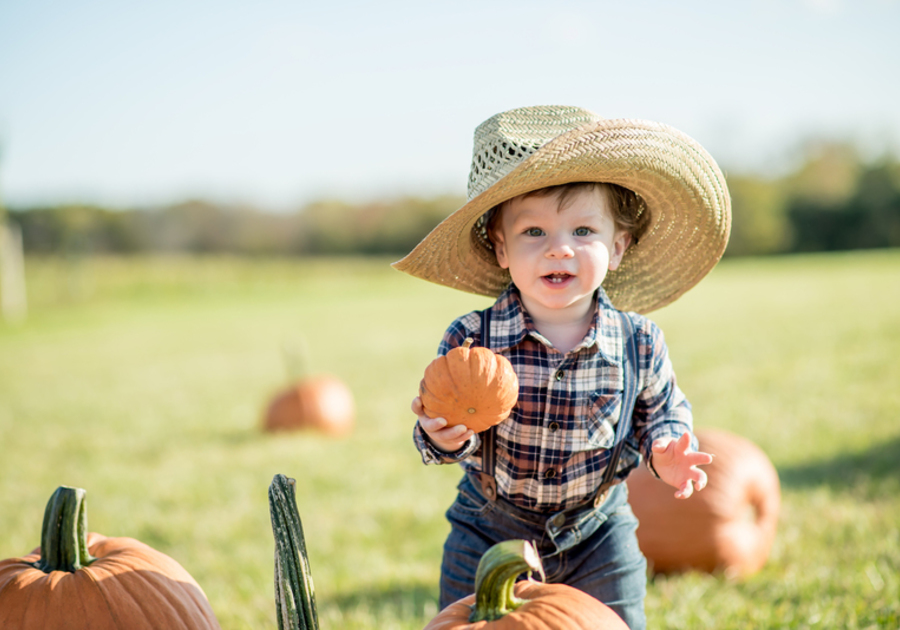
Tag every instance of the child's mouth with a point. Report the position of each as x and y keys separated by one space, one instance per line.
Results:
x=557 y=278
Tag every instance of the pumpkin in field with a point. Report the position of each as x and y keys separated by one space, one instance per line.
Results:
x=471 y=386
x=729 y=526
x=82 y=581
x=322 y=403
x=496 y=605
x=501 y=603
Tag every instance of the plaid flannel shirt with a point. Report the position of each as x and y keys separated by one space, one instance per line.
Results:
x=552 y=452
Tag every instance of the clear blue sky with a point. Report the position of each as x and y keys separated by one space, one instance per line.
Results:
x=279 y=102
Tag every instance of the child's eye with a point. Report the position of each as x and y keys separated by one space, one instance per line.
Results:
x=583 y=231
x=534 y=231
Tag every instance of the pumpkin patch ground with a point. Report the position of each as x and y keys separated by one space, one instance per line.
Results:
x=148 y=389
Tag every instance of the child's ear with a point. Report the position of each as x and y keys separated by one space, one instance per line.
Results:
x=500 y=248
x=620 y=246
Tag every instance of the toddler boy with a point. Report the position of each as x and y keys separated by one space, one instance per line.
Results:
x=577 y=224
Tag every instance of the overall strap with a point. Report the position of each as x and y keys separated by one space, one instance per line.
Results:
x=488 y=450
x=630 y=372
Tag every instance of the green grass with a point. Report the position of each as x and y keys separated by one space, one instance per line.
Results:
x=143 y=381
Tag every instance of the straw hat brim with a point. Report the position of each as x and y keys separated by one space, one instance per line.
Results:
x=680 y=183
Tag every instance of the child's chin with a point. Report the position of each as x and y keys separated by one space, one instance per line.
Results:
x=559 y=301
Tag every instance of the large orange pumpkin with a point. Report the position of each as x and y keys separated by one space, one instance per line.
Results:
x=729 y=526
x=501 y=603
x=471 y=386
x=322 y=403
x=81 y=581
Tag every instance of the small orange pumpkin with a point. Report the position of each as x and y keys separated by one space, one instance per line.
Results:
x=323 y=403
x=729 y=526
x=501 y=603
x=471 y=386
x=82 y=581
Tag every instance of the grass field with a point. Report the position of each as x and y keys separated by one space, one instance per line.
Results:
x=143 y=381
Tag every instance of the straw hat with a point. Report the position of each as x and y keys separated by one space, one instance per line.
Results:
x=535 y=147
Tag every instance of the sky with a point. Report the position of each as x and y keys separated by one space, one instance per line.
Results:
x=280 y=103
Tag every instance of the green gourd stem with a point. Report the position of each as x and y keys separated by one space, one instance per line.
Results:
x=468 y=342
x=64 y=544
x=296 y=359
x=295 y=594
x=495 y=578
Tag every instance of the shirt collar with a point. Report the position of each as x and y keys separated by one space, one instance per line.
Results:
x=511 y=323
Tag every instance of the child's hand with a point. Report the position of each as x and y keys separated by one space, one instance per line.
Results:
x=678 y=467
x=447 y=439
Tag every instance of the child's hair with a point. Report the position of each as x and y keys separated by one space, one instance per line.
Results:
x=628 y=210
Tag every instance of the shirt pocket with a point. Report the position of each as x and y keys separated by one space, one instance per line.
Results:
x=600 y=418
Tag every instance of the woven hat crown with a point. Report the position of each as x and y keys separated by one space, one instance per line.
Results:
x=504 y=141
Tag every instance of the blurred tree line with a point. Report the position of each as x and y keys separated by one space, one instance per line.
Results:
x=200 y=227
x=834 y=200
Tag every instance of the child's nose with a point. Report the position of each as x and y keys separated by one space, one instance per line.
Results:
x=560 y=247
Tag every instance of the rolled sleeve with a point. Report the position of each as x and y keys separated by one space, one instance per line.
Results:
x=432 y=455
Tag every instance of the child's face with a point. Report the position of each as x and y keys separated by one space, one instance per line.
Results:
x=558 y=257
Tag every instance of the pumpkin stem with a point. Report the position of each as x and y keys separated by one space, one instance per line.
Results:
x=468 y=342
x=296 y=359
x=495 y=578
x=64 y=544
x=295 y=594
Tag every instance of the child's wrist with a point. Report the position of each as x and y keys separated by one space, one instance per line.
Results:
x=650 y=466
x=446 y=447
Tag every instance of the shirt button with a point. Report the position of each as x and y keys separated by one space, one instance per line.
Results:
x=559 y=375
x=554 y=427
x=550 y=474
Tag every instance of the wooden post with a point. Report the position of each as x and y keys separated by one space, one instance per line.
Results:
x=13 y=300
